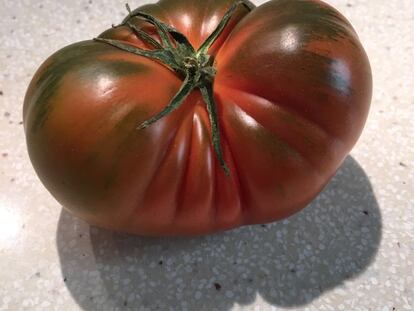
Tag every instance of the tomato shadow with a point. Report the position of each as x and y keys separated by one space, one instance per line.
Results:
x=287 y=264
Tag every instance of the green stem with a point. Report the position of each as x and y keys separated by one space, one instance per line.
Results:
x=144 y=36
x=195 y=67
x=208 y=96
x=186 y=88
x=161 y=28
x=163 y=56
x=214 y=35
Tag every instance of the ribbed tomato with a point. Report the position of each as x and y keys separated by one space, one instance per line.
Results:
x=263 y=104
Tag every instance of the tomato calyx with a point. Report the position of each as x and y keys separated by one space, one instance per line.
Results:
x=195 y=68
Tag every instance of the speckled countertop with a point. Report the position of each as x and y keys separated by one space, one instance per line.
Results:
x=351 y=249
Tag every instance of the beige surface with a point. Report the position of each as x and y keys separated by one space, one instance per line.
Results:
x=352 y=249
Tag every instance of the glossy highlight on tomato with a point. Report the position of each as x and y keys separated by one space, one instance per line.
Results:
x=277 y=101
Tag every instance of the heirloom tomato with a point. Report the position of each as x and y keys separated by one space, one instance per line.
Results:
x=192 y=117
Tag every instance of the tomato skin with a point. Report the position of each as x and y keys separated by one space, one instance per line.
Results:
x=293 y=88
x=302 y=78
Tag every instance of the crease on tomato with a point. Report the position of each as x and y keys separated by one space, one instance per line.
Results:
x=310 y=134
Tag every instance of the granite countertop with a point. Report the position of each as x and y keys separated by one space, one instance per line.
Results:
x=351 y=249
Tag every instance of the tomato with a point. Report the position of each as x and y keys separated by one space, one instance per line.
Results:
x=274 y=103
